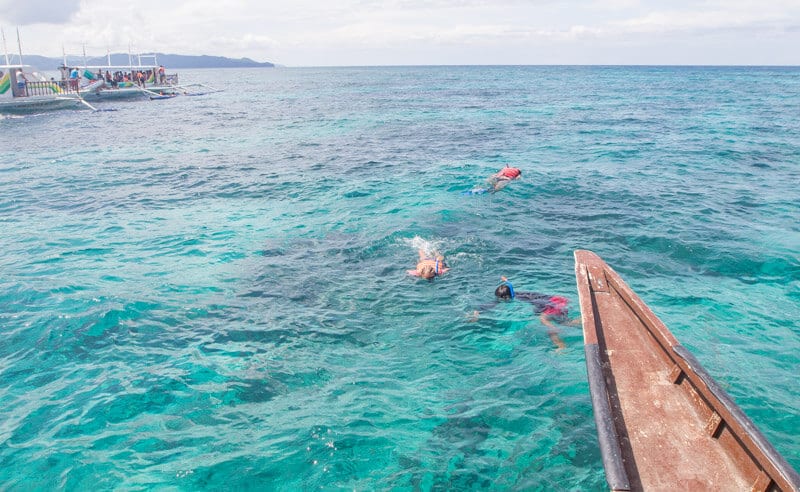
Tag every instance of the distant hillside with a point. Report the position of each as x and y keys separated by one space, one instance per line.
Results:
x=169 y=61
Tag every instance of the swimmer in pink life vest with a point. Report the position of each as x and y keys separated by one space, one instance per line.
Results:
x=429 y=266
x=549 y=308
x=500 y=179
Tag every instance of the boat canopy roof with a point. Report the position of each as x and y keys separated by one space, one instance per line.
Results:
x=135 y=61
x=110 y=67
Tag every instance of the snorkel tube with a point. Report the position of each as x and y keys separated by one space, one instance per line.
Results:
x=510 y=287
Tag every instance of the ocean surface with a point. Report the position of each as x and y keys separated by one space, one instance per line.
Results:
x=210 y=293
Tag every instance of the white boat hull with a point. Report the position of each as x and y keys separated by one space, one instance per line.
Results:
x=122 y=93
x=32 y=105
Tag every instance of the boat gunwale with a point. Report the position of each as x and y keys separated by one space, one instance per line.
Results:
x=589 y=268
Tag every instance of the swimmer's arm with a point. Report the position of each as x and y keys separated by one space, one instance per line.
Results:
x=474 y=315
x=413 y=272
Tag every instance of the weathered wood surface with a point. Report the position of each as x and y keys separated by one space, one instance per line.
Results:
x=663 y=423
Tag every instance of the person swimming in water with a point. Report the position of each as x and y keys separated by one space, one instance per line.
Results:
x=551 y=309
x=497 y=181
x=500 y=179
x=429 y=265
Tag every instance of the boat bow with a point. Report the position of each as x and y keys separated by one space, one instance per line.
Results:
x=663 y=423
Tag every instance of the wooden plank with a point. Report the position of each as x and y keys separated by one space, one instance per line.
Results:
x=714 y=424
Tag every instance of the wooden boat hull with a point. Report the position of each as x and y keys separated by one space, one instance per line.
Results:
x=663 y=423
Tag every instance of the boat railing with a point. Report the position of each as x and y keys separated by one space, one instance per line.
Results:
x=44 y=88
x=49 y=88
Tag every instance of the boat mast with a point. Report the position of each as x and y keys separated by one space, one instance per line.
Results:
x=19 y=46
x=5 y=48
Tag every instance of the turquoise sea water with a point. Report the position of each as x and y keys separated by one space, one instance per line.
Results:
x=210 y=293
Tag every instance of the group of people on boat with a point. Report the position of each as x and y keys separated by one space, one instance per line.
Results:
x=551 y=309
x=71 y=77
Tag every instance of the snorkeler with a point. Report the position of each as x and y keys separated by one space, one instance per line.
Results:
x=500 y=179
x=429 y=265
x=551 y=309
x=497 y=181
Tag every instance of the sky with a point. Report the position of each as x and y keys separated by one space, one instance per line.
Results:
x=417 y=32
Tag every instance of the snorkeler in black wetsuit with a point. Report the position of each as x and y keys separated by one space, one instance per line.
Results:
x=549 y=308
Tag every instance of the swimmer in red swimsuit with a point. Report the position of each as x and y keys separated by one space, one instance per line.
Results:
x=551 y=309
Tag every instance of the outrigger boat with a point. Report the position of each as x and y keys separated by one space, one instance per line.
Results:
x=23 y=90
x=117 y=87
x=663 y=423
x=119 y=81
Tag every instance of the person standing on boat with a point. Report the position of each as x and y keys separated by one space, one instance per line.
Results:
x=74 y=77
x=162 y=75
x=551 y=309
x=22 y=83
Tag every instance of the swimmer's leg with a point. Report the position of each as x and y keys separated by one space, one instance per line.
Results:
x=501 y=183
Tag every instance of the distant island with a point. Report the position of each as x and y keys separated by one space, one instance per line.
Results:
x=168 y=60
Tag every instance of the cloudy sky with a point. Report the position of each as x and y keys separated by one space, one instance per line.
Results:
x=418 y=32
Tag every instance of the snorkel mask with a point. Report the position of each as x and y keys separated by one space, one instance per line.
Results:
x=510 y=286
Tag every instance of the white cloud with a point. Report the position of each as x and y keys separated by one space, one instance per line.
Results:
x=38 y=11
x=309 y=32
x=708 y=21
